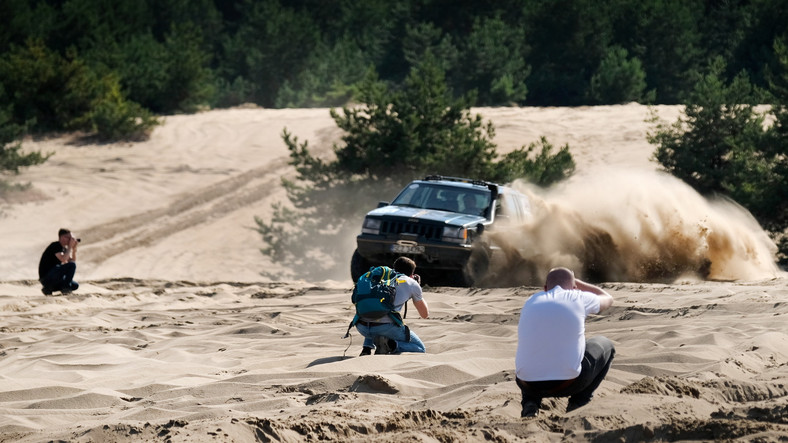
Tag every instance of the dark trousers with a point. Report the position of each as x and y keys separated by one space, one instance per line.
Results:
x=596 y=362
x=60 y=278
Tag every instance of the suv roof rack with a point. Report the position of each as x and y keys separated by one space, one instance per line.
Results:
x=458 y=179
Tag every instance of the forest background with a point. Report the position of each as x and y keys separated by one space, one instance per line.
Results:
x=170 y=56
x=110 y=68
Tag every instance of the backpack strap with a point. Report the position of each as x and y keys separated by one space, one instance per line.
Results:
x=385 y=276
x=350 y=326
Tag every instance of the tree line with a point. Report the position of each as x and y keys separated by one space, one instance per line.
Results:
x=110 y=67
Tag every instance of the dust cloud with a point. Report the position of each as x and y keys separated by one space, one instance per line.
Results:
x=632 y=226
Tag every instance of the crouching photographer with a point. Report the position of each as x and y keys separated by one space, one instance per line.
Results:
x=58 y=265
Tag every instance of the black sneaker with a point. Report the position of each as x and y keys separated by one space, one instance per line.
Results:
x=46 y=291
x=73 y=286
x=575 y=403
x=384 y=345
x=366 y=350
x=530 y=409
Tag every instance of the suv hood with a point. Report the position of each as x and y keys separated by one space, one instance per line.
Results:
x=435 y=215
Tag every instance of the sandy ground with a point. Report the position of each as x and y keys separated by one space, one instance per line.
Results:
x=175 y=336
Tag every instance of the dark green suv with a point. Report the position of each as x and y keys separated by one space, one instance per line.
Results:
x=438 y=222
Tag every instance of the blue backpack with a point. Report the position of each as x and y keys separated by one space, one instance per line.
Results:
x=373 y=295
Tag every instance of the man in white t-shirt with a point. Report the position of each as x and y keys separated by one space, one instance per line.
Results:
x=387 y=337
x=554 y=359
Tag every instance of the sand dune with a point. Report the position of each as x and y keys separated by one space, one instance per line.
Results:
x=130 y=359
x=175 y=336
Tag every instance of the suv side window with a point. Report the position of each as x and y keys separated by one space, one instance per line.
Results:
x=506 y=207
x=525 y=205
x=513 y=207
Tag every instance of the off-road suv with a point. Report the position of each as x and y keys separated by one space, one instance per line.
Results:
x=438 y=222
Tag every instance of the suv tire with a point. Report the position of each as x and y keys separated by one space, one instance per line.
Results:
x=358 y=266
x=475 y=269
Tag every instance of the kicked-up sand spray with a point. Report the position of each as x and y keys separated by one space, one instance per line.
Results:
x=632 y=226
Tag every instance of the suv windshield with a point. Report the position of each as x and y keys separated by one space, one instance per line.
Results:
x=445 y=198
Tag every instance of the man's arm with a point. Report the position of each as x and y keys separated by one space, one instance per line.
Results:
x=63 y=256
x=605 y=299
x=74 y=243
x=421 y=306
x=69 y=253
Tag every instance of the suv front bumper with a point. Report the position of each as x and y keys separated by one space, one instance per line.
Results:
x=436 y=255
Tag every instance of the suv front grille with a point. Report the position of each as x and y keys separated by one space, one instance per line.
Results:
x=428 y=232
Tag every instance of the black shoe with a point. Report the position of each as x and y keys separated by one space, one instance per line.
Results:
x=73 y=286
x=530 y=409
x=46 y=291
x=366 y=350
x=384 y=345
x=575 y=403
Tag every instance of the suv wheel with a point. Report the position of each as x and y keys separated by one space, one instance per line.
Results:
x=358 y=266
x=475 y=268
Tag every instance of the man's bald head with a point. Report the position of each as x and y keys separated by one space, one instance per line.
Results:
x=562 y=277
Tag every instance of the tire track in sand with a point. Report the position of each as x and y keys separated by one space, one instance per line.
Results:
x=186 y=210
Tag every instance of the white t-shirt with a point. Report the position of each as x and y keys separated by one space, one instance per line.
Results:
x=407 y=289
x=551 y=334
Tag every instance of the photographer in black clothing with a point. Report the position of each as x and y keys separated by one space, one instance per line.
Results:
x=58 y=264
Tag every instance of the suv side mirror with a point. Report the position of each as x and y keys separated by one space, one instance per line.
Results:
x=382 y=204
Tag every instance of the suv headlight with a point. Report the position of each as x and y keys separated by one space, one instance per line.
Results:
x=371 y=226
x=454 y=234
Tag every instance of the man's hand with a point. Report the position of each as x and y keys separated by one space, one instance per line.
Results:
x=417 y=278
x=71 y=255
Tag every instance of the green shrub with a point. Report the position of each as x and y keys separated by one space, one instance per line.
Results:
x=719 y=121
x=422 y=39
x=329 y=78
x=619 y=80
x=169 y=76
x=417 y=130
x=44 y=87
x=56 y=93
x=233 y=93
x=722 y=146
x=273 y=44
x=493 y=63
x=775 y=184
x=543 y=169
x=10 y=157
x=113 y=117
